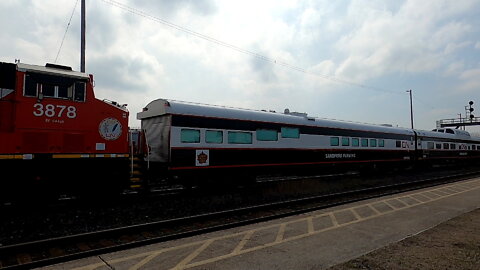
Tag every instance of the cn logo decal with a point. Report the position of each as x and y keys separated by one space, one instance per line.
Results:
x=202 y=157
x=110 y=129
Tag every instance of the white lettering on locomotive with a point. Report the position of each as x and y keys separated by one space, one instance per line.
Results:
x=50 y=110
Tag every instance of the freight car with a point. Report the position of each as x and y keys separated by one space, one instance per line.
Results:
x=55 y=135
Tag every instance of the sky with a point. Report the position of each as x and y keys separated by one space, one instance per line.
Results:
x=347 y=60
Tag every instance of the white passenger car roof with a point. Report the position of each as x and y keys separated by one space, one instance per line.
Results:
x=161 y=107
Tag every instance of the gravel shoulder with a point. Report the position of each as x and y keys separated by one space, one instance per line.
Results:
x=454 y=244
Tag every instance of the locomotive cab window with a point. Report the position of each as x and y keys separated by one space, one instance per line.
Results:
x=236 y=137
x=398 y=144
x=290 y=132
x=190 y=136
x=214 y=136
x=79 y=91
x=48 y=90
x=30 y=87
x=41 y=85
x=266 y=135
x=345 y=141
x=355 y=142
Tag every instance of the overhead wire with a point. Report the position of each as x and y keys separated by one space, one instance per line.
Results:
x=257 y=55
x=66 y=30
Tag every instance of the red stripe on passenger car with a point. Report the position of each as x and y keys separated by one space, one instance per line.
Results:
x=283 y=164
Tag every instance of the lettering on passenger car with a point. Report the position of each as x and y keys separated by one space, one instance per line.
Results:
x=344 y=155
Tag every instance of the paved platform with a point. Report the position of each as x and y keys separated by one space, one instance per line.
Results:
x=315 y=240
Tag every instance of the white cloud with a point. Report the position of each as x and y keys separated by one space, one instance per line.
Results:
x=470 y=81
x=425 y=45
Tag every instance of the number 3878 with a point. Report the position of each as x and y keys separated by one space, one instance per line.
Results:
x=50 y=110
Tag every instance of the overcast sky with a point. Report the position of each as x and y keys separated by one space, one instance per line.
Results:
x=349 y=60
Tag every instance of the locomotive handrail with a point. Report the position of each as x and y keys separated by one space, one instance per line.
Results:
x=131 y=153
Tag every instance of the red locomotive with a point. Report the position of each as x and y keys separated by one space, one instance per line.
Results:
x=55 y=135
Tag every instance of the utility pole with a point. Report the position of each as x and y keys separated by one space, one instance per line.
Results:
x=82 y=46
x=411 y=107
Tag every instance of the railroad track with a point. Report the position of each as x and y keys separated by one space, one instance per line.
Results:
x=61 y=249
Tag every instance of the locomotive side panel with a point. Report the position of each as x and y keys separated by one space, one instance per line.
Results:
x=61 y=137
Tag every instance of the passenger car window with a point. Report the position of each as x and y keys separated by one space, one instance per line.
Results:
x=345 y=141
x=237 y=137
x=398 y=144
x=381 y=143
x=190 y=136
x=430 y=145
x=267 y=135
x=355 y=142
x=373 y=142
x=334 y=141
x=364 y=142
x=214 y=136
x=290 y=132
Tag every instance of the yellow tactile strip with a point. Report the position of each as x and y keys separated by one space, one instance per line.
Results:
x=192 y=254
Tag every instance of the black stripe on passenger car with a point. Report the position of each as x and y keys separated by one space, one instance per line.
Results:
x=453 y=140
x=235 y=124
